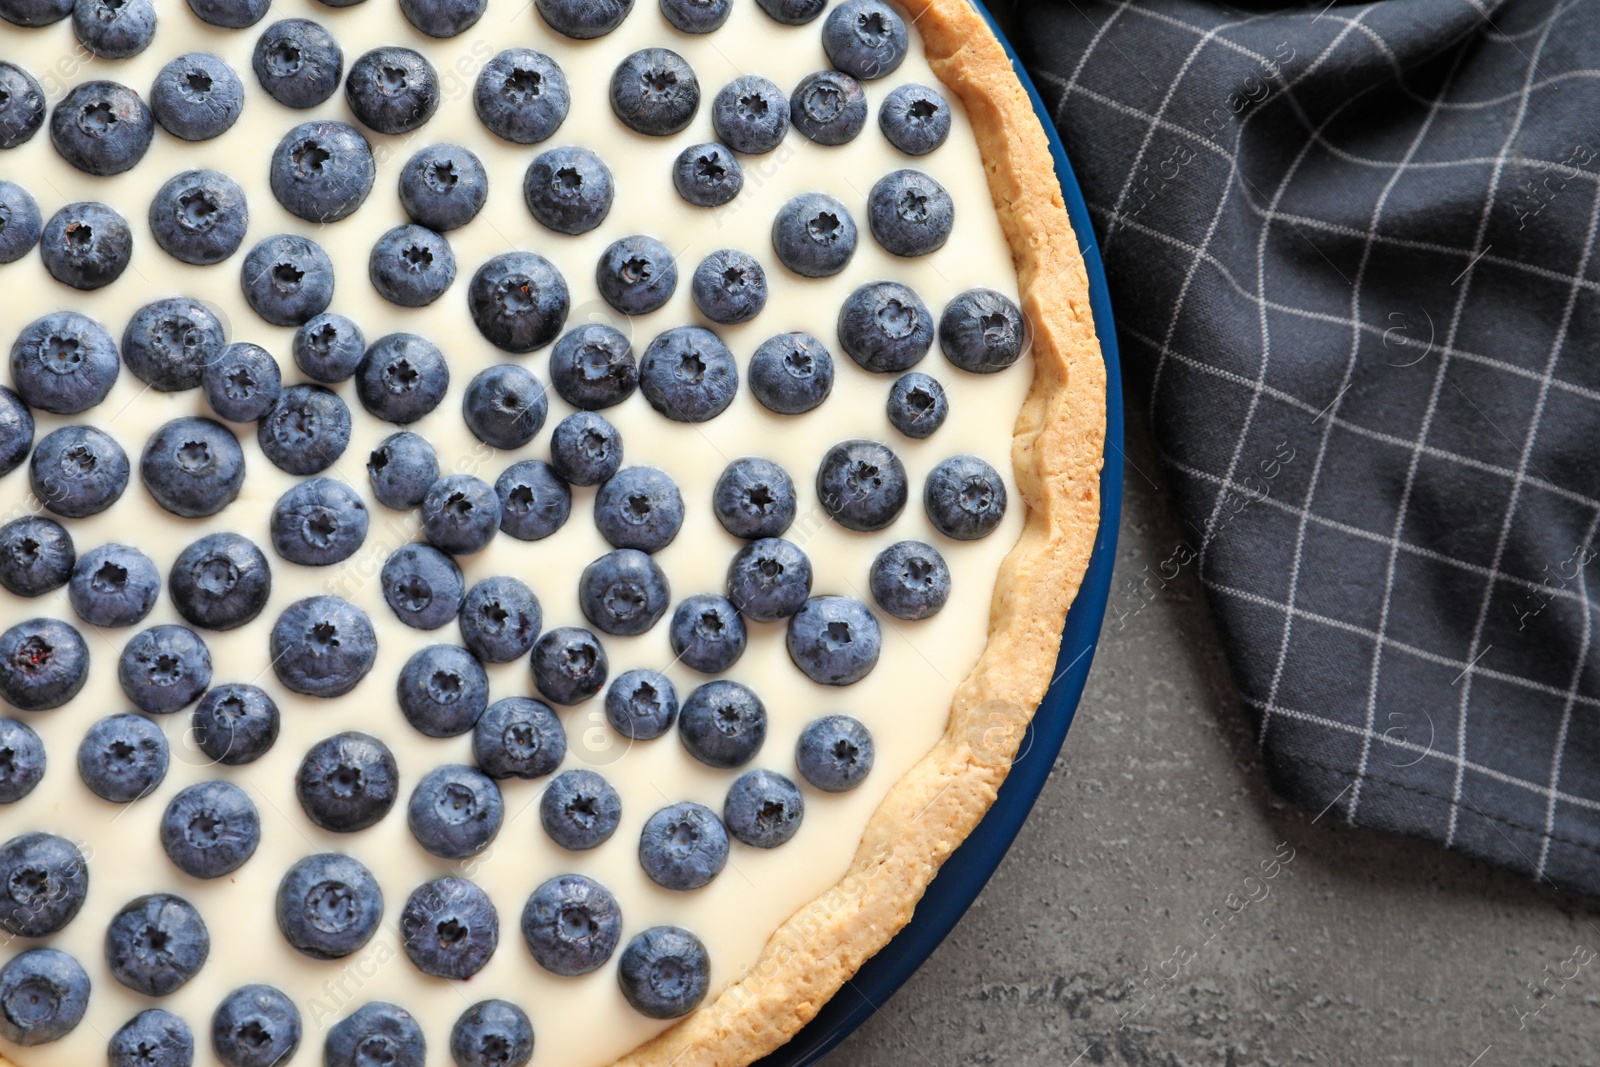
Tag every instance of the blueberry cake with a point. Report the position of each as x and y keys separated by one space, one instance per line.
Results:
x=527 y=532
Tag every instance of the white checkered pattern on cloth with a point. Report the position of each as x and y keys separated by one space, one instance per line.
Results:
x=1351 y=250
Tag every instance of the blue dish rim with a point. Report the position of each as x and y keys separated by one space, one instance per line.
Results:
x=969 y=868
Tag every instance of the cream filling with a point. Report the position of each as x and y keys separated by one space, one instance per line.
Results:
x=577 y=1021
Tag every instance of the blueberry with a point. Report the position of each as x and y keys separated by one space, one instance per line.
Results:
x=534 y=502
x=828 y=107
x=865 y=38
x=585 y=449
x=34 y=13
x=791 y=373
x=910 y=213
x=255 y=1026
x=328 y=348
x=754 y=498
x=210 y=829
x=169 y=342
x=411 y=266
x=917 y=404
x=235 y=724
x=592 y=367
x=376 y=1033
x=624 y=592
x=769 y=579
x=43 y=882
x=442 y=690
x=113 y=585
x=729 y=287
x=834 y=640
x=862 y=485
x=982 y=331
x=455 y=811
x=750 y=115
x=318 y=522
x=492 y=1033
x=123 y=758
x=915 y=119
x=153 y=1038
x=22 y=760
x=164 y=668
x=199 y=217
x=707 y=175
x=910 y=580
x=155 y=944
x=36 y=556
x=322 y=646
x=443 y=18
x=220 y=582
x=101 y=127
x=460 y=513
x=814 y=235
x=63 y=363
x=322 y=171
x=964 y=497
x=707 y=633
x=792 y=12
x=885 y=327
x=287 y=279
x=580 y=810
x=636 y=275
x=568 y=190
x=504 y=406
x=114 y=29
x=500 y=618
x=422 y=586
x=77 y=471
x=521 y=96
x=298 y=63
x=22 y=101
x=639 y=507
x=449 y=928
x=392 y=90
x=400 y=469
x=193 y=467
x=834 y=753
x=347 y=782
x=43 y=995
x=569 y=665
x=16 y=439
x=723 y=724
x=683 y=846
x=518 y=737
x=402 y=377
x=197 y=96
x=697 y=16
x=583 y=20
x=230 y=14
x=688 y=374
x=572 y=925
x=43 y=664
x=654 y=92
x=443 y=187
x=20 y=221
x=242 y=382
x=328 y=905
x=306 y=430
x=763 y=809
x=518 y=301
x=86 y=245
x=641 y=704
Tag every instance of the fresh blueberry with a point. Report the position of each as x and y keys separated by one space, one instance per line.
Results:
x=86 y=245
x=707 y=633
x=199 y=217
x=347 y=782
x=500 y=619
x=298 y=63
x=442 y=690
x=101 y=127
x=153 y=1038
x=34 y=13
x=707 y=175
x=654 y=92
x=518 y=301
x=318 y=522
x=915 y=119
x=592 y=367
x=193 y=467
x=411 y=266
x=230 y=14
x=580 y=810
x=964 y=497
x=16 y=439
x=449 y=928
x=828 y=107
x=43 y=995
x=113 y=585
x=584 y=20
x=43 y=664
x=43 y=882
x=518 y=737
x=834 y=640
x=624 y=592
x=814 y=235
x=443 y=18
x=641 y=704
x=763 y=809
x=401 y=468
x=834 y=753
x=910 y=580
x=322 y=646
x=123 y=758
x=443 y=187
x=306 y=430
x=255 y=1026
x=392 y=90
x=754 y=498
x=697 y=16
x=197 y=96
x=63 y=363
x=287 y=279
x=982 y=331
x=885 y=327
x=769 y=579
x=585 y=449
x=521 y=96
x=568 y=190
x=639 y=507
x=20 y=221
x=865 y=38
x=460 y=513
x=235 y=724
x=569 y=665
x=169 y=342
x=504 y=406
x=636 y=275
x=791 y=373
x=534 y=502
x=750 y=115
x=114 y=29
x=917 y=404
x=492 y=1033
x=422 y=586
x=723 y=724
x=572 y=925
x=22 y=760
x=164 y=668
x=862 y=485
x=78 y=471
x=155 y=944
x=402 y=377
x=328 y=348
x=376 y=1033
x=688 y=374
x=792 y=12
x=910 y=213
x=242 y=382
x=665 y=971
x=36 y=556
x=683 y=846
x=328 y=906
x=210 y=829
x=22 y=102
x=455 y=811
x=729 y=287
x=322 y=171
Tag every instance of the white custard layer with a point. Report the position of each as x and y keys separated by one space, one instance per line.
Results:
x=578 y=1021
